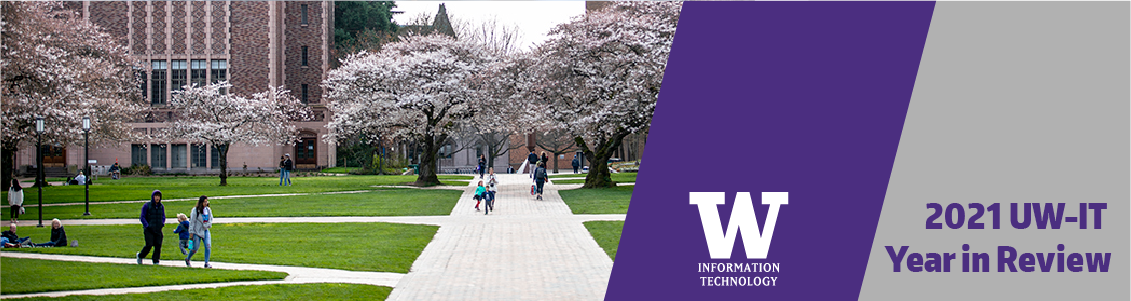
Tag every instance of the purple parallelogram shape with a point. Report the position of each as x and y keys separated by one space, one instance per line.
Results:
x=802 y=97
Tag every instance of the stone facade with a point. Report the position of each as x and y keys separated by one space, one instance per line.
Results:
x=253 y=44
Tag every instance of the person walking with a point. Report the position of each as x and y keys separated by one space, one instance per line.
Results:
x=285 y=168
x=482 y=165
x=575 y=164
x=15 y=200
x=153 y=219
x=200 y=225
x=545 y=160
x=532 y=159
x=492 y=182
x=540 y=179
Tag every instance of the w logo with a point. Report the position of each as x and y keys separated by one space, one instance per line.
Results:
x=741 y=216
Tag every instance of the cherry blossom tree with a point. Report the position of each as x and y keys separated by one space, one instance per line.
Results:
x=205 y=114
x=599 y=75
x=60 y=67
x=424 y=88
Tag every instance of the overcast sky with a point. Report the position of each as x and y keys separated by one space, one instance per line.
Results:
x=534 y=18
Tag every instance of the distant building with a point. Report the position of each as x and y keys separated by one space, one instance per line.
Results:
x=252 y=44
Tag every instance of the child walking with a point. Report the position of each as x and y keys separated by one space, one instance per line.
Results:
x=480 y=193
x=182 y=230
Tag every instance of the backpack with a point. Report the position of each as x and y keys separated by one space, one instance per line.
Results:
x=540 y=173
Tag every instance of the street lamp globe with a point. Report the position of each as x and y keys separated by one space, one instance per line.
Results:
x=86 y=123
x=39 y=124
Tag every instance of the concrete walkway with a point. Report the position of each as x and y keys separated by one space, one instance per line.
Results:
x=295 y=275
x=525 y=250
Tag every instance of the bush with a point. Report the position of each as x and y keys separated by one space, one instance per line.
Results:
x=137 y=170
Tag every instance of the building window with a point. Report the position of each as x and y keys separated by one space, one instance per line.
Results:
x=215 y=157
x=157 y=155
x=137 y=155
x=157 y=82
x=220 y=73
x=199 y=155
x=199 y=71
x=180 y=156
x=305 y=53
x=180 y=74
x=305 y=96
x=304 y=18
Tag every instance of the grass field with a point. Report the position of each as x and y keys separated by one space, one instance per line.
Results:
x=607 y=235
x=139 y=188
x=383 y=202
x=314 y=291
x=628 y=177
x=377 y=247
x=597 y=201
x=23 y=276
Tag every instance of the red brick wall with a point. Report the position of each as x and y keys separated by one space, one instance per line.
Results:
x=113 y=17
x=297 y=36
x=250 y=61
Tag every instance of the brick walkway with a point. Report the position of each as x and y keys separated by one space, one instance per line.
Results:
x=526 y=250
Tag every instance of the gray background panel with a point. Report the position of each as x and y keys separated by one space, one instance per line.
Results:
x=1014 y=102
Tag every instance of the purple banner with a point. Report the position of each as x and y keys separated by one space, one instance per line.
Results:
x=803 y=98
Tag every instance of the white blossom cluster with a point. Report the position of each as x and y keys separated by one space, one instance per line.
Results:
x=205 y=114
x=56 y=65
x=598 y=76
x=423 y=86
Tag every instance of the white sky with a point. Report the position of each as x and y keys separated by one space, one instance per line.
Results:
x=534 y=18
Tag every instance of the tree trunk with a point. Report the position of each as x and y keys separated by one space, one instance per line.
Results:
x=223 y=151
x=8 y=167
x=556 y=162
x=428 y=162
x=381 y=158
x=599 y=176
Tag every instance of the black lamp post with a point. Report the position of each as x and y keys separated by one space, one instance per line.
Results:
x=39 y=178
x=86 y=137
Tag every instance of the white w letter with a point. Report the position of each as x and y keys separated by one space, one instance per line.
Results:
x=741 y=216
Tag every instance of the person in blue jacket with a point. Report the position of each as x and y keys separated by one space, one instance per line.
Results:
x=182 y=230
x=153 y=219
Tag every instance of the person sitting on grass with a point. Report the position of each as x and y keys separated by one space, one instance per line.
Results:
x=480 y=194
x=11 y=240
x=182 y=230
x=58 y=235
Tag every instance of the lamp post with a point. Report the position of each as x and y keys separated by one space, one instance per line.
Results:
x=86 y=138
x=39 y=178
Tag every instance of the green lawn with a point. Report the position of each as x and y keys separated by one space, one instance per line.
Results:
x=314 y=291
x=378 y=247
x=384 y=202
x=597 y=201
x=22 y=276
x=617 y=177
x=139 y=188
x=607 y=235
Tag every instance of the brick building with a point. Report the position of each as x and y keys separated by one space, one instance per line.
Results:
x=253 y=44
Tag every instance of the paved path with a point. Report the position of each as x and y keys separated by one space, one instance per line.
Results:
x=295 y=275
x=526 y=250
